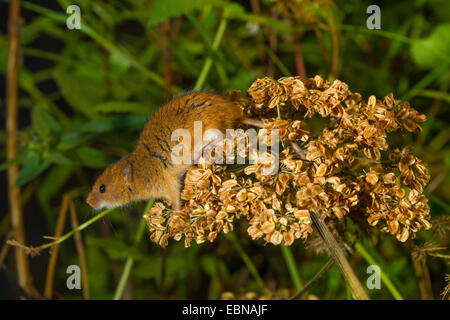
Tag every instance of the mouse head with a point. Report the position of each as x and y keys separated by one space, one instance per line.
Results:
x=112 y=188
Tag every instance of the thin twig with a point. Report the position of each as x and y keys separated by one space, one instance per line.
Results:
x=419 y=258
x=277 y=61
x=323 y=51
x=333 y=29
x=209 y=60
x=81 y=253
x=299 y=150
x=48 y=291
x=339 y=258
x=311 y=282
x=36 y=250
x=299 y=62
x=23 y=271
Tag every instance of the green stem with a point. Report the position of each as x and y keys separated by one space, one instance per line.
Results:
x=208 y=62
x=248 y=262
x=71 y=233
x=130 y=260
x=382 y=33
x=370 y=260
x=290 y=262
x=425 y=81
x=311 y=282
x=440 y=202
x=284 y=70
x=393 y=36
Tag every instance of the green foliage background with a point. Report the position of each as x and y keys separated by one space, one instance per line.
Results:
x=85 y=95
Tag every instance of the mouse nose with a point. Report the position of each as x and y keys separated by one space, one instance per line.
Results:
x=93 y=201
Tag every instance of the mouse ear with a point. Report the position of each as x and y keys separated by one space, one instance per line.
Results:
x=127 y=171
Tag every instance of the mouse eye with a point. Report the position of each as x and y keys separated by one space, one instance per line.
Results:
x=102 y=188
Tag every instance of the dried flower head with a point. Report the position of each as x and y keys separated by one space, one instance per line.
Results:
x=345 y=169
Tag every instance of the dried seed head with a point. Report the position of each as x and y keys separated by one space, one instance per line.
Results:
x=347 y=170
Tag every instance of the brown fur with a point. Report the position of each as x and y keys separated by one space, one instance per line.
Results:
x=148 y=172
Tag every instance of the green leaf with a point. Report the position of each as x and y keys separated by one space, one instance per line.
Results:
x=58 y=158
x=82 y=93
x=51 y=185
x=119 y=63
x=33 y=165
x=93 y=158
x=434 y=50
x=82 y=131
x=16 y=160
x=113 y=123
x=234 y=8
x=163 y=10
x=43 y=122
x=71 y=139
x=124 y=106
x=53 y=181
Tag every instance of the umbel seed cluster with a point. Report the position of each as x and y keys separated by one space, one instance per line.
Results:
x=346 y=169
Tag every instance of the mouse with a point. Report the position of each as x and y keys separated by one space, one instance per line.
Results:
x=149 y=171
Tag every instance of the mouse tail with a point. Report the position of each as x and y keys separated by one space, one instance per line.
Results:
x=253 y=122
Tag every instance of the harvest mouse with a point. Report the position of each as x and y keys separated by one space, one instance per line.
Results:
x=148 y=171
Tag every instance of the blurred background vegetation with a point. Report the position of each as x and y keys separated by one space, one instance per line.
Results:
x=84 y=95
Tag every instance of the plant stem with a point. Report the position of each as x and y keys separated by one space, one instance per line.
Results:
x=48 y=291
x=130 y=260
x=248 y=262
x=382 y=33
x=60 y=239
x=81 y=252
x=440 y=202
x=284 y=70
x=208 y=62
x=290 y=261
x=311 y=282
x=370 y=260
x=425 y=81
x=23 y=272
x=340 y=260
